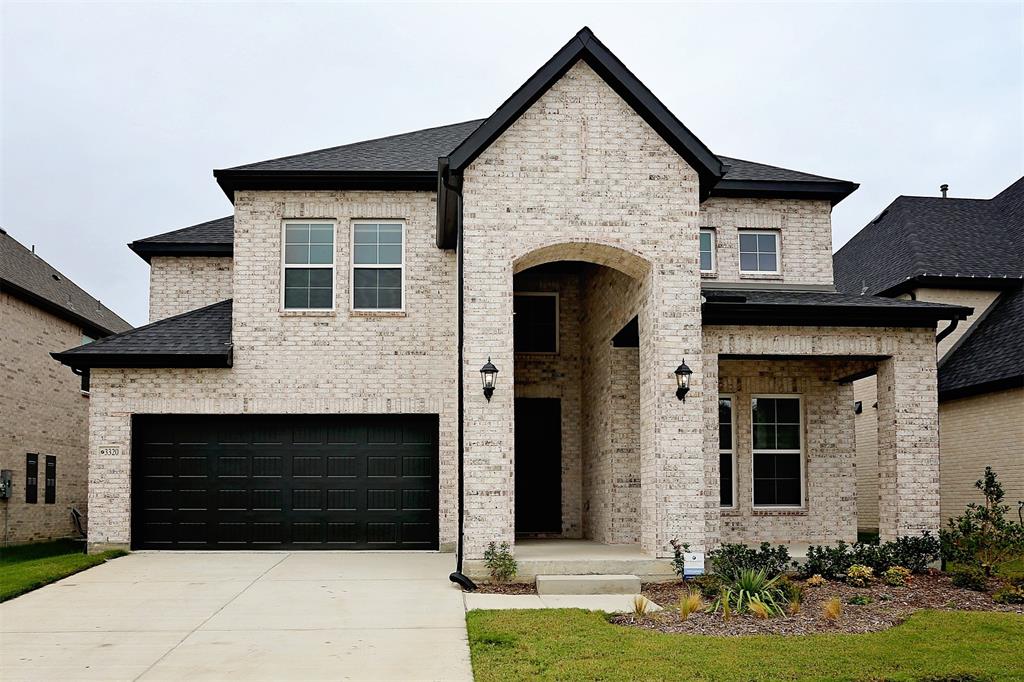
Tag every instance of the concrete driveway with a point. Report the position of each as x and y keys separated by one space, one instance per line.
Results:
x=243 y=616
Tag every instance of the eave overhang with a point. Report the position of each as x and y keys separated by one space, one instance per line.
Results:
x=833 y=192
x=774 y=314
x=147 y=250
x=147 y=360
x=233 y=180
x=955 y=281
x=980 y=388
x=87 y=325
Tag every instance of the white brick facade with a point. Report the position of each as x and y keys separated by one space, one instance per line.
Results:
x=179 y=284
x=578 y=177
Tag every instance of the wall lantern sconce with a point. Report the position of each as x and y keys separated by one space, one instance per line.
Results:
x=683 y=380
x=488 y=374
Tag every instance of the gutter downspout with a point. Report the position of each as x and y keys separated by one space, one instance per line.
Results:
x=457 y=576
x=950 y=328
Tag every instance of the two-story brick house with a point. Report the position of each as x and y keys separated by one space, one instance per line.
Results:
x=318 y=383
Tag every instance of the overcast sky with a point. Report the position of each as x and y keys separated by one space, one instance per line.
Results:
x=114 y=115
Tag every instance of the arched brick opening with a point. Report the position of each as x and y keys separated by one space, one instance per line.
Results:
x=608 y=255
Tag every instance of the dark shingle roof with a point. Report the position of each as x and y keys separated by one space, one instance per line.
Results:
x=212 y=238
x=738 y=169
x=415 y=151
x=935 y=237
x=992 y=356
x=758 y=306
x=199 y=338
x=28 y=276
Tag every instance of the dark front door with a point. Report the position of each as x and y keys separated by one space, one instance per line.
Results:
x=538 y=465
x=285 y=481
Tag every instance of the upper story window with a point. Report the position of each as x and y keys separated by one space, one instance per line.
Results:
x=759 y=252
x=777 y=451
x=707 y=250
x=308 y=266
x=535 y=322
x=378 y=265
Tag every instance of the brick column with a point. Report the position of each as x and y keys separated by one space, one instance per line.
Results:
x=712 y=480
x=489 y=447
x=109 y=520
x=672 y=487
x=908 y=446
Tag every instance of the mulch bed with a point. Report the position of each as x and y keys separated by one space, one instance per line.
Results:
x=505 y=588
x=889 y=606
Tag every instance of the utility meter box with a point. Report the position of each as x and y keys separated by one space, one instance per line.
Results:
x=6 y=483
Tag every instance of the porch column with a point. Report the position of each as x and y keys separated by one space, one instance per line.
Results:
x=489 y=447
x=712 y=482
x=672 y=487
x=908 y=445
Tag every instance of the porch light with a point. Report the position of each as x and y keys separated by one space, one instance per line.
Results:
x=488 y=374
x=683 y=380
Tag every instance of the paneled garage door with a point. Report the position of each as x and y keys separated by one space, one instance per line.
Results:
x=284 y=482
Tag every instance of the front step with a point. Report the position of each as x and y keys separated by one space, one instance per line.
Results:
x=588 y=584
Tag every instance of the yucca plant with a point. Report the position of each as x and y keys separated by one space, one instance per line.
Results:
x=689 y=603
x=747 y=585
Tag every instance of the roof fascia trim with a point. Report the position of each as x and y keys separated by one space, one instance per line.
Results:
x=231 y=181
x=825 y=315
x=146 y=250
x=1016 y=381
x=144 y=360
x=951 y=282
x=790 y=189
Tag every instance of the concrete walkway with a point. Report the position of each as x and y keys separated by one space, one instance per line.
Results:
x=242 y=616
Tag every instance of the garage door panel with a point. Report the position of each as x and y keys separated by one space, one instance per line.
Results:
x=333 y=482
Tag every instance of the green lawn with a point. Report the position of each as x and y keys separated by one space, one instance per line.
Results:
x=568 y=644
x=25 y=567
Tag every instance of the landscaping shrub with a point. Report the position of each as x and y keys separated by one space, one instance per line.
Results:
x=750 y=585
x=729 y=560
x=1009 y=594
x=689 y=603
x=791 y=591
x=500 y=562
x=640 y=606
x=983 y=535
x=679 y=550
x=815 y=581
x=859 y=575
x=709 y=585
x=969 y=577
x=832 y=609
x=896 y=576
x=912 y=552
x=859 y=600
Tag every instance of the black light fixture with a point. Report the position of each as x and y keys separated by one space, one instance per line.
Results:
x=488 y=374
x=683 y=380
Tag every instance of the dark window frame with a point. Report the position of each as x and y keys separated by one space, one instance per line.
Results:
x=730 y=452
x=50 y=480
x=776 y=452
x=31 y=478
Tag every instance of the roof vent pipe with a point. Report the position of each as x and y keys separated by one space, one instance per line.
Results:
x=943 y=188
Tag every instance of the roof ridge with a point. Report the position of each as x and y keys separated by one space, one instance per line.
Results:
x=356 y=143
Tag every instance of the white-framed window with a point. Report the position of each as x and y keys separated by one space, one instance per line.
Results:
x=307 y=265
x=759 y=252
x=778 y=461
x=707 y=250
x=378 y=265
x=726 y=452
x=535 y=321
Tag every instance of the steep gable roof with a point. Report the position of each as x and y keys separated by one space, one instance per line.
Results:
x=931 y=237
x=198 y=338
x=585 y=46
x=29 y=277
x=992 y=355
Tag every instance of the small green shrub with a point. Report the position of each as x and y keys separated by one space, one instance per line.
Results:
x=729 y=560
x=896 y=576
x=815 y=581
x=1009 y=594
x=859 y=600
x=969 y=578
x=912 y=552
x=791 y=591
x=709 y=585
x=859 y=575
x=983 y=535
x=500 y=562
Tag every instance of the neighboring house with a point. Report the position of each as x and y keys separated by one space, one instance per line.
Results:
x=966 y=252
x=587 y=244
x=44 y=409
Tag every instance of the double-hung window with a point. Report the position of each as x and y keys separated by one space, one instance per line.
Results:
x=378 y=265
x=726 y=454
x=707 y=250
x=308 y=266
x=759 y=252
x=777 y=451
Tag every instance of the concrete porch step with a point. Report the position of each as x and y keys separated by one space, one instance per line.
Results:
x=588 y=584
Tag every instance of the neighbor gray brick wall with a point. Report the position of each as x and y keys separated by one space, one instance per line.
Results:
x=179 y=284
x=42 y=411
x=301 y=363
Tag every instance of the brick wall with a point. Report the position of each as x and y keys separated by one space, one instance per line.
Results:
x=42 y=411
x=805 y=238
x=180 y=284
x=302 y=363
x=866 y=429
x=983 y=430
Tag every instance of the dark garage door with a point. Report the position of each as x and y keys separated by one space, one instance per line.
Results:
x=275 y=482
